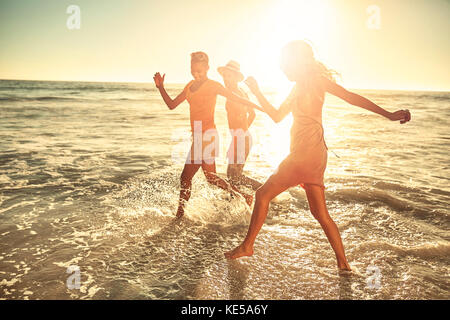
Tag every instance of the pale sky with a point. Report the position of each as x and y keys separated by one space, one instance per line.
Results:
x=129 y=40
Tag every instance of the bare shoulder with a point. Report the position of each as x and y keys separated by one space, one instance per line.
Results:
x=188 y=85
x=329 y=85
x=215 y=83
x=325 y=83
x=216 y=86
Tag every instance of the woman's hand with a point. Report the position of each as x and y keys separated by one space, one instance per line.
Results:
x=159 y=81
x=252 y=85
x=402 y=115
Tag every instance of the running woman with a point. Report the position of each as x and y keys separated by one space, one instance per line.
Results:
x=240 y=118
x=306 y=163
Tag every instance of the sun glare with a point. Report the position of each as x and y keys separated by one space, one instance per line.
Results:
x=289 y=20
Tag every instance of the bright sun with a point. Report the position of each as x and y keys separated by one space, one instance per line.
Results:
x=289 y=20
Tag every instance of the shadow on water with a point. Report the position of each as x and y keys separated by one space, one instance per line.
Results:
x=178 y=257
x=346 y=280
x=237 y=279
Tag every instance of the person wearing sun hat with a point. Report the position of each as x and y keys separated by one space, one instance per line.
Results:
x=234 y=67
x=240 y=117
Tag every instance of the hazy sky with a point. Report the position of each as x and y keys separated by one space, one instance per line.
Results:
x=129 y=40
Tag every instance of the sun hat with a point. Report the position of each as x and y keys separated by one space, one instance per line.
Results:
x=232 y=66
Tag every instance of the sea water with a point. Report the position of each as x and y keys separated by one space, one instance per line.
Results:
x=89 y=186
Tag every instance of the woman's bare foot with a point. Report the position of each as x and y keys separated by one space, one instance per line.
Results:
x=238 y=252
x=344 y=266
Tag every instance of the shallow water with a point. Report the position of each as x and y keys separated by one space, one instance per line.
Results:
x=89 y=177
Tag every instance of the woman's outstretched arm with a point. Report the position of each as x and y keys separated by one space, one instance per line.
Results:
x=359 y=101
x=235 y=98
x=276 y=114
x=171 y=103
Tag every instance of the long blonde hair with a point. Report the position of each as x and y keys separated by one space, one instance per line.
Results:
x=300 y=51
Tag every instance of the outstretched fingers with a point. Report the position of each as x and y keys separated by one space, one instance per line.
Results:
x=159 y=80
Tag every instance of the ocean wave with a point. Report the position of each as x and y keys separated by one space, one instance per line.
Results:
x=396 y=95
x=40 y=98
x=362 y=195
x=66 y=98
x=392 y=193
x=427 y=250
x=14 y=86
x=435 y=97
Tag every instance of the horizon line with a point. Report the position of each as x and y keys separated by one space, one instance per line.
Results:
x=183 y=83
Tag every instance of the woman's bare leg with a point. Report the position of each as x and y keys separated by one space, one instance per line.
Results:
x=188 y=173
x=234 y=171
x=318 y=207
x=209 y=169
x=252 y=183
x=264 y=195
x=237 y=178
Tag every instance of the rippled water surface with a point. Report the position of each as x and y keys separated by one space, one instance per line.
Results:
x=89 y=177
